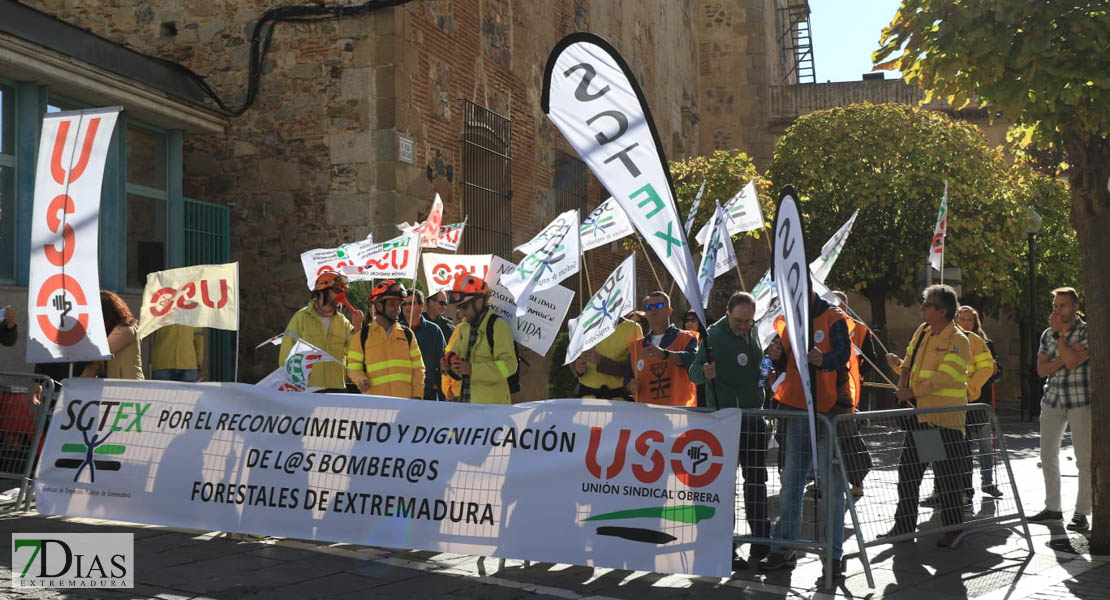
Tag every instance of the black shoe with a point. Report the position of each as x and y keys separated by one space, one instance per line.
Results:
x=759 y=551
x=1047 y=516
x=738 y=564
x=992 y=490
x=776 y=561
x=932 y=501
x=1079 y=523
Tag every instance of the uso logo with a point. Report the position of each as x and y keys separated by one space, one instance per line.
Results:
x=694 y=457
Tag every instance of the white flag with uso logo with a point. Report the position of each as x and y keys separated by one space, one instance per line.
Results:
x=201 y=296
x=64 y=318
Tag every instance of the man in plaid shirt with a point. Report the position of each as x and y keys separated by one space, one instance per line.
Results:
x=1062 y=358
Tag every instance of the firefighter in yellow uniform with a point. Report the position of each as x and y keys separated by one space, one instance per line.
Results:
x=177 y=353
x=482 y=368
x=934 y=374
x=321 y=324
x=384 y=358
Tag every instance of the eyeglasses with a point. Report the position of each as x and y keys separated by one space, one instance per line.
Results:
x=440 y=302
x=656 y=306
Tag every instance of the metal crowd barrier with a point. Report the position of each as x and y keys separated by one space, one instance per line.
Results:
x=762 y=474
x=921 y=475
x=875 y=456
x=25 y=401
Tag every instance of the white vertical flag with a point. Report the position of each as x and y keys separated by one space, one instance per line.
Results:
x=694 y=208
x=822 y=265
x=707 y=271
x=742 y=211
x=592 y=96
x=606 y=223
x=936 y=247
x=550 y=257
x=64 y=320
x=615 y=297
x=791 y=276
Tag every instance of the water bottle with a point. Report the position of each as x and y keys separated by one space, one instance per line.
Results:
x=764 y=371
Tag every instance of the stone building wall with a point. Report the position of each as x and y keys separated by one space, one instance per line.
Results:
x=315 y=161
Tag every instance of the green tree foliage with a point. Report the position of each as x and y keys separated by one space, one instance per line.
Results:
x=1045 y=66
x=891 y=161
x=725 y=173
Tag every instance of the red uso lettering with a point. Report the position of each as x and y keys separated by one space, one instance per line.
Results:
x=162 y=300
x=647 y=446
x=63 y=204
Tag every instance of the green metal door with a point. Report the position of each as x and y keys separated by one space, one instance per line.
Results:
x=208 y=242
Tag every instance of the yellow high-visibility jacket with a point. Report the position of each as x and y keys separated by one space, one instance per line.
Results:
x=177 y=347
x=390 y=360
x=981 y=368
x=310 y=327
x=937 y=373
x=489 y=372
x=451 y=386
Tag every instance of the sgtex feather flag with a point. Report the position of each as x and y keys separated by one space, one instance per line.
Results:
x=615 y=298
x=591 y=95
x=791 y=277
x=936 y=247
x=550 y=257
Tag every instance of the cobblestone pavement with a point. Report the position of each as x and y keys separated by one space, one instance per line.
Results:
x=990 y=565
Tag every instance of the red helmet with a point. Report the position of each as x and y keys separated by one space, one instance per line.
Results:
x=329 y=279
x=387 y=289
x=467 y=287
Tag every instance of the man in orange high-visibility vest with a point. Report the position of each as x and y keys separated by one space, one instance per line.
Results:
x=659 y=363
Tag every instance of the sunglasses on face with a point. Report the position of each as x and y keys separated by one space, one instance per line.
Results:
x=655 y=306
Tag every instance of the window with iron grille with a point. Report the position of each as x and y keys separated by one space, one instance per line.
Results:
x=487 y=191
x=569 y=183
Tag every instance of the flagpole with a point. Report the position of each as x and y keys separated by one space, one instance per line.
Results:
x=742 y=285
x=238 y=323
x=647 y=259
x=586 y=268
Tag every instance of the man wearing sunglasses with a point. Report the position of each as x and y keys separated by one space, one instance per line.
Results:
x=321 y=324
x=434 y=312
x=934 y=374
x=430 y=339
x=659 y=362
x=480 y=354
x=385 y=360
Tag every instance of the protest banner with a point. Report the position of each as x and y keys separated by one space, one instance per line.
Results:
x=590 y=482
x=293 y=375
x=450 y=236
x=742 y=213
x=319 y=260
x=592 y=96
x=200 y=296
x=615 y=298
x=398 y=258
x=538 y=327
x=606 y=223
x=440 y=270
x=64 y=318
x=549 y=257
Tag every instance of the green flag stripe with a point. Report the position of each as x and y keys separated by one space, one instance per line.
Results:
x=103 y=449
x=690 y=513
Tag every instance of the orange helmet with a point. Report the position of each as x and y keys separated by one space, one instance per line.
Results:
x=467 y=287
x=329 y=279
x=387 y=289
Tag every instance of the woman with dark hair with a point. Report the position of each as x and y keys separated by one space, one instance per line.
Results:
x=690 y=322
x=123 y=342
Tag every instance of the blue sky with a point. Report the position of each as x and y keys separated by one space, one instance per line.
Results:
x=845 y=33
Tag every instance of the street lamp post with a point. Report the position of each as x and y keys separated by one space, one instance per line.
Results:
x=1032 y=228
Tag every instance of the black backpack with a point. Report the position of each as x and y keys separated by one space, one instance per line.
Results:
x=514 y=379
